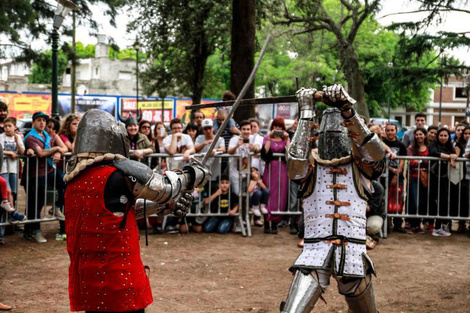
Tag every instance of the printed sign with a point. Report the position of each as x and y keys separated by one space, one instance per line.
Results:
x=151 y=110
x=23 y=106
x=84 y=103
x=185 y=115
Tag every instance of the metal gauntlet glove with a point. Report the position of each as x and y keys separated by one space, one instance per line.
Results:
x=337 y=96
x=297 y=155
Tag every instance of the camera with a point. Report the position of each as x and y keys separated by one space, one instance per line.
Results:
x=246 y=140
x=279 y=133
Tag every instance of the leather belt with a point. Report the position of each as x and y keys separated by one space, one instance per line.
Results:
x=338 y=216
x=337 y=186
x=341 y=171
x=338 y=203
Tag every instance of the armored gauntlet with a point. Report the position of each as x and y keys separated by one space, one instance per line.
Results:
x=299 y=150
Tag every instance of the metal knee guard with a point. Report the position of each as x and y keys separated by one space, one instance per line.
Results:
x=303 y=294
x=363 y=299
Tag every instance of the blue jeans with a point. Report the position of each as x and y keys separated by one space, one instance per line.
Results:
x=415 y=206
x=260 y=196
x=12 y=181
x=221 y=223
x=3 y=219
x=37 y=187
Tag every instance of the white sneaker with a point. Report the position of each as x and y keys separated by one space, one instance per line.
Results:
x=256 y=211
x=6 y=206
x=440 y=233
x=39 y=238
x=263 y=209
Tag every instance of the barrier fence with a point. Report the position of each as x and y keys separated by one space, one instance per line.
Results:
x=429 y=189
x=443 y=195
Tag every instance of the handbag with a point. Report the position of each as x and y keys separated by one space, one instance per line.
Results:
x=423 y=177
x=395 y=205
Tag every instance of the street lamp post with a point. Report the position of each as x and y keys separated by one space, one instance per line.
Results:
x=137 y=48
x=63 y=8
x=390 y=65
x=443 y=61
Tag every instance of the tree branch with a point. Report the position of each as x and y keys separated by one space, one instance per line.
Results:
x=311 y=29
x=348 y=5
x=361 y=17
x=425 y=10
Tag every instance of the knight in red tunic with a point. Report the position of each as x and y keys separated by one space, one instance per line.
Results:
x=106 y=273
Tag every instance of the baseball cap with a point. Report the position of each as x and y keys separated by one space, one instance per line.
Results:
x=40 y=114
x=207 y=122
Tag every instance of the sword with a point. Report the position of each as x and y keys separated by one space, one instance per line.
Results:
x=256 y=101
x=237 y=102
x=244 y=102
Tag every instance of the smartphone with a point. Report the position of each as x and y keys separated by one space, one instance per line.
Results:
x=246 y=140
x=162 y=131
x=279 y=133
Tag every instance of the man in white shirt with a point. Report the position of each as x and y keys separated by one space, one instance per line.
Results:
x=256 y=161
x=408 y=137
x=204 y=141
x=178 y=143
x=243 y=145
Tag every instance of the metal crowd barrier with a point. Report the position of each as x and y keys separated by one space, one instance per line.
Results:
x=47 y=190
x=441 y=199
x=446 y=196
x=200 y=210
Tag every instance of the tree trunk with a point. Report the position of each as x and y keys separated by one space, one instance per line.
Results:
x=353 y=74
x=197 y=84
x=243 y=53
x=199 y=58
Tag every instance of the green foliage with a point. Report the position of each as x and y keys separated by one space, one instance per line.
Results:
x=41 y=71
x=217 y=75
x=179 y=36
x=84 y=52
x=419 y=61
x=22 y=21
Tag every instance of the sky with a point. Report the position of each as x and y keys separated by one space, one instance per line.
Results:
x=456 y=22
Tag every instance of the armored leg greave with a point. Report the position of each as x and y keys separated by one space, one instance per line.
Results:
x=363 y=299
x=303 y=294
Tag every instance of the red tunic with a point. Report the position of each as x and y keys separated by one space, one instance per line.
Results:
x=106 y=273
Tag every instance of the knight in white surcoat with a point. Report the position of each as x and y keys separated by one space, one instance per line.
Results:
x=335 y=184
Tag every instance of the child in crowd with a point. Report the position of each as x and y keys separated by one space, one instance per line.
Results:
x=222 y=201
x=12 y=146
x=259 y=196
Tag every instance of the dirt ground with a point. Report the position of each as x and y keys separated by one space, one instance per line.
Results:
x=230 y=273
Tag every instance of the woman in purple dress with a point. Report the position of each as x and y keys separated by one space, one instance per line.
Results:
x=275 y=173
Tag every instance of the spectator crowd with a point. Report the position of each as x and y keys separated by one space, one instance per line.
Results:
x=249 y=174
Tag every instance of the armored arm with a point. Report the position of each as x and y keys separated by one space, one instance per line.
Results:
x=299 y=149
x=368 y=143
x=169 y=187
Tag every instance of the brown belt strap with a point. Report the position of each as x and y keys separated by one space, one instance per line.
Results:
x=337 y=186
x=341 y=171
x=343 y=217
x=338 y=203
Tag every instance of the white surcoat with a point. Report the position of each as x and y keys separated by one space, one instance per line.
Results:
x=336 y=212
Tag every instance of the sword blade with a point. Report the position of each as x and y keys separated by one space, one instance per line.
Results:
x=244 y=102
